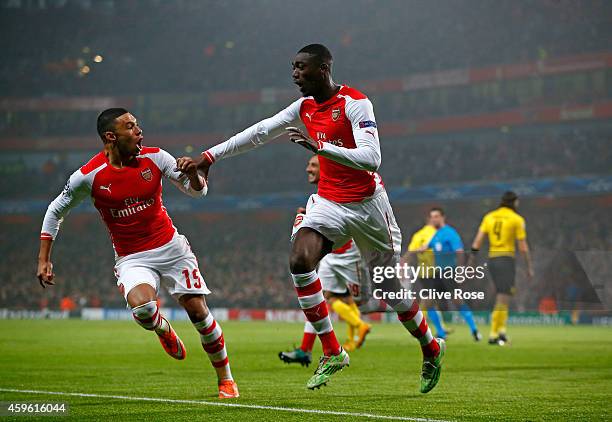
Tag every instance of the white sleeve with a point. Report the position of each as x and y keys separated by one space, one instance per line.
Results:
x=77 y=188
x=167 y=164
x=366 y=155
x=256 y=135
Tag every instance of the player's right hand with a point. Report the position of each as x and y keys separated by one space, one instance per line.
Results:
x=298 y=137
x=203 y=165
x=300 y=210
x=45 y=273
x=186 y=165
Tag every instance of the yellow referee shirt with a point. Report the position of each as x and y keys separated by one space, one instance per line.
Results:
x=420 y=238
x=504 y=227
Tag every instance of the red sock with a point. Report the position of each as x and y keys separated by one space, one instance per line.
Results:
x=312 y=302
x=318 y=316
x=308 y=342
x=331 y=347
x=416 y=324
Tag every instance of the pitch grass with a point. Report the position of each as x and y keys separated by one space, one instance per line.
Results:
x=548 y=373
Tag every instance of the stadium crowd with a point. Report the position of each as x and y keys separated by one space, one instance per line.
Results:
x=243 y=255
x=409 y=162
x=85 y=48
x=197 y=113
x=193 y=41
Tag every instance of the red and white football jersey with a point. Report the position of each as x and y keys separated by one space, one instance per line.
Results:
x=129 y=199
x=345 y=129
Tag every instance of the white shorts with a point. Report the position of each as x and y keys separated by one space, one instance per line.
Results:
x=172 y=265
x=338 y=275
x=371 y=223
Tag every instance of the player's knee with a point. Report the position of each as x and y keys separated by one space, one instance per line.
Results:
x=198 y=314
x=195 y=306
x=301 y=263
x=146 y=315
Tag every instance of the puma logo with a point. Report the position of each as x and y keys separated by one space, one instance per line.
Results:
x=106 y=187
x=371 y=133
x=309 y=116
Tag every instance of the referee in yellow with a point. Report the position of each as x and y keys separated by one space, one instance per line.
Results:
x=504 y=228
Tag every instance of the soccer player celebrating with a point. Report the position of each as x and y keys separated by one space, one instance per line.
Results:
x=341 y=273
x=351 y=201
x=124 y=182
x=448 y=253
x=504 y=228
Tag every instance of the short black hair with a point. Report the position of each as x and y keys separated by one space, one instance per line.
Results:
x=507 y=199
x=321 y=52
x=106 y=119
x=438 y=209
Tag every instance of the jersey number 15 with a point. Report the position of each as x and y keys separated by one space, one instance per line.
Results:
x=197 y=284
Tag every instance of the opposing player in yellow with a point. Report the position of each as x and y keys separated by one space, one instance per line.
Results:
x=504 y=228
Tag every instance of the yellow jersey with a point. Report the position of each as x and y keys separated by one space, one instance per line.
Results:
x=504 y=227
x=420 y=238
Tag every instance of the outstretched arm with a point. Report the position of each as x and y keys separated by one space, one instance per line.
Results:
x=253 y=136
x=74 y=192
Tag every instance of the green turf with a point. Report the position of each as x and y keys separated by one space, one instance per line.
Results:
x=548 y=373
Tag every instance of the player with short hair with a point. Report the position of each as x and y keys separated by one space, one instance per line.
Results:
x=504 y=227
x=341 y=273
x=448 y=252
x=351 y=201
x=124 y=182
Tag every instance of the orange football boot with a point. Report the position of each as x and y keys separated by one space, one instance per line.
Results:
x=172 y=344
x=364 y=330
x=349 y=346
x=228 y=389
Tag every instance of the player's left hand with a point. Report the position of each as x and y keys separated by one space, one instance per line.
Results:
x=298 y=137
x=530 y=274
x=187 y=165
x=45 y=273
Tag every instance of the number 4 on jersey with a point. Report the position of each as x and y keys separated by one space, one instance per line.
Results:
x=497 y=228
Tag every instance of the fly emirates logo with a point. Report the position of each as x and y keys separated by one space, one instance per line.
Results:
x=132 y=206
x=321 y=136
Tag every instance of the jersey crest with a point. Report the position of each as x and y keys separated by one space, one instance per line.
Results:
x=336 y=113
x=147 y=174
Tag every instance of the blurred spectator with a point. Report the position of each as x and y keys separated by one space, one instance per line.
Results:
x=414 y=161
x=243 y=256
x=67 y=304
x=194 y=46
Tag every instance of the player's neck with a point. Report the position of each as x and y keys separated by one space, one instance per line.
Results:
x=329 y=90
x=116 y=159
